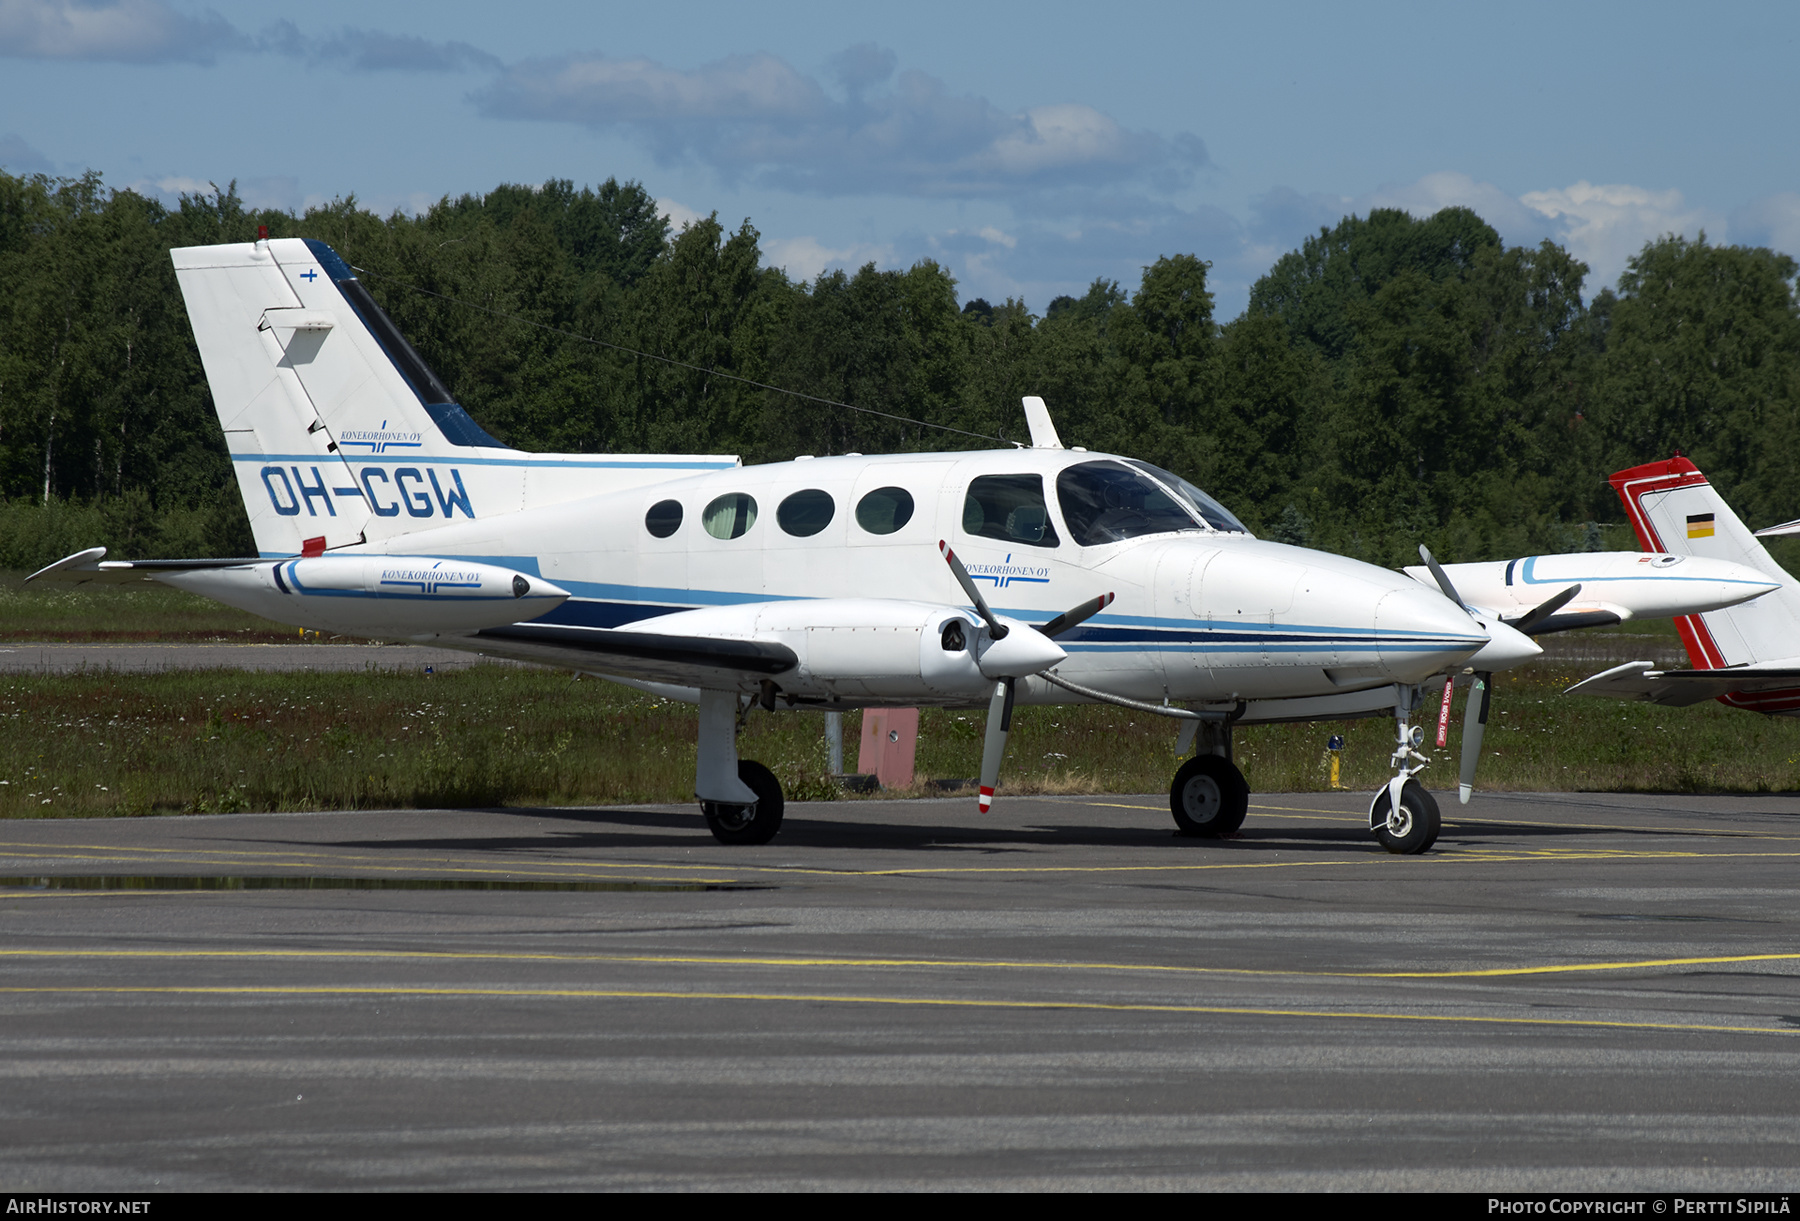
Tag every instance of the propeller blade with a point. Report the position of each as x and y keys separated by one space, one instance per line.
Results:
x=996 y=629
x=993 y=746
x=1441 y=577
x=1475 y=718
x=1071 y=618
x=1542 y=611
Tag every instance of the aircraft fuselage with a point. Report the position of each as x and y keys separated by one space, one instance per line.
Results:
x=1200 y=615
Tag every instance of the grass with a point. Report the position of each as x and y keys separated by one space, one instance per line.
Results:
x=109 y=744
x=141 y=611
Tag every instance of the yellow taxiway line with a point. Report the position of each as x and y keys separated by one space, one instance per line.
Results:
x=815 y=961
x=355 y=990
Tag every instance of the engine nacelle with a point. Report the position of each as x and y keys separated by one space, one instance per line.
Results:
x=876 y=647
x=394 y=596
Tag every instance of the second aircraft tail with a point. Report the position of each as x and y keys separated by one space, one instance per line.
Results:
x=1675 y=509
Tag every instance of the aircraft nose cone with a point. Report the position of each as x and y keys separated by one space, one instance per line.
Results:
x=1421 y=632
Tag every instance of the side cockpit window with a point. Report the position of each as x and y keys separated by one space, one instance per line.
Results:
x=1009 y=508
x=1106 y=502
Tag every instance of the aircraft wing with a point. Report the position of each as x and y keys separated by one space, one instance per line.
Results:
x=811 y=648
x=683 y=661
x=1641 y=680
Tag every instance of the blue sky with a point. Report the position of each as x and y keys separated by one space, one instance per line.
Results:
x=1030 y=148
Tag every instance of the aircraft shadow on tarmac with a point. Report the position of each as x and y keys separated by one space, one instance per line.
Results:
x=588 y=830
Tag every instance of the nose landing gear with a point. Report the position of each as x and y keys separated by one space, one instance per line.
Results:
x=1403 y=816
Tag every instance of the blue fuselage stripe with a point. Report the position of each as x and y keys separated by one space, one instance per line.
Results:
x=413 y=459
x=1190 y=638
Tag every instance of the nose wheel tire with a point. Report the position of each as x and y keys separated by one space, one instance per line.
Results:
x=1209 y=796
x=1411 y=829
x=752 y=824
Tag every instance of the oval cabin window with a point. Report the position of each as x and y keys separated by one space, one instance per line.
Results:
x=884 y=510
x=730 y=515
x=664 y=518
x=806 y=513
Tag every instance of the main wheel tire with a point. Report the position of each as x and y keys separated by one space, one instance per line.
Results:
x=1411 y=829
x=751 y=824
x=1209 y=796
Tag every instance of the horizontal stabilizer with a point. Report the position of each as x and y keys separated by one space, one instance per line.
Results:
x=87 y=567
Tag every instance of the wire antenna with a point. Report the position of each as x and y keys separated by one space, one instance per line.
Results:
x=681 y=364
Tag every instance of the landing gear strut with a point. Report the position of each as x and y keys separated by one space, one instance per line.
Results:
x=1210 y=796
x=740 y=798
x=755 y=823
x=1403 y=816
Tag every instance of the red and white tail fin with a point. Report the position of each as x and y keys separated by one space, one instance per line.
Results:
x=1674 y=509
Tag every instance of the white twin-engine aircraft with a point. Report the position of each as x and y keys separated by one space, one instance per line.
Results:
x=1038 y=575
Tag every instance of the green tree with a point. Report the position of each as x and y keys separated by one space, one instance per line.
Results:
x=1702 y=354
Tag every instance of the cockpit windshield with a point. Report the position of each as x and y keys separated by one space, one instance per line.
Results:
x=1105 y=502
x=1211 y=511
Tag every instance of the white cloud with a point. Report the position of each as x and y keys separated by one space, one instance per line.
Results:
x=755 y=116
x=117 y=31
x=598 y=90
x=374 y=50
x=1606 y=226
x=151 y=31
x=1058 y=137
x=806 y=258
x=679 y=214
x=171 y=187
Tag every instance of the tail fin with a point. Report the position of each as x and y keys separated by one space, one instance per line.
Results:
x=1674 y=509
x=339 y=431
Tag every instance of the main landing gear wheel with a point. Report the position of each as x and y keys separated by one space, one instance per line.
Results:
x=751 y=824
x=1209 y=796
x=1412 y=828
